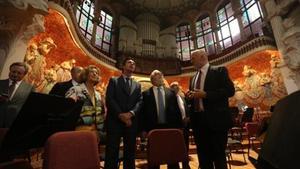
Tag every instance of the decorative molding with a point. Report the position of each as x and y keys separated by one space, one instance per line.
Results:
x=257 y=44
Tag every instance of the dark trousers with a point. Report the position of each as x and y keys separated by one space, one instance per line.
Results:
x=211 y=147
x=113 y=146
x=186 y=131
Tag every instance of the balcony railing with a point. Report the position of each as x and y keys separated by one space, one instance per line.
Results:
x=237 y=51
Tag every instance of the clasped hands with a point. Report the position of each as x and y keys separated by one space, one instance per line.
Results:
x=195 y=94
x=126 y=118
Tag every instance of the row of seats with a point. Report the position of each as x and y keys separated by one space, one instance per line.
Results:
x=79 y=150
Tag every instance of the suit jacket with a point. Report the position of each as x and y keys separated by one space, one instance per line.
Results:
x=218 y=87
x=60 y=89
x=119 y=100
x=10 y=108
x=149 y=115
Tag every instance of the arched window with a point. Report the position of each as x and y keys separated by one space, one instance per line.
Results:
x=84 y=15
x=229 y=31
x=184 y=41
x=204 y=35
x=103 y=32
x=252 y=17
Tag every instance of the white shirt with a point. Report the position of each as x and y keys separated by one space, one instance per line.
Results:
x=181 y=106
x=17 y=86
x=75 y=83
x=155 y=95
x=204 y=70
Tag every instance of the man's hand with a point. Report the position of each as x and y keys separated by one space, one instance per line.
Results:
x=185 y=121
x=126 y=118
x=196 y=94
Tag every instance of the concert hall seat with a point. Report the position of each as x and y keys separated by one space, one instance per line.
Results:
x=166 y=146
x=73 y=150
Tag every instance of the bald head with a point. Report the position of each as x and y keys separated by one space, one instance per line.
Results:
x=199 y=58
x=76 y=73
x=157 y=78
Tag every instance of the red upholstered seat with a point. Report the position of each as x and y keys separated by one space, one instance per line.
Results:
x=71 y=150
x=166 y=146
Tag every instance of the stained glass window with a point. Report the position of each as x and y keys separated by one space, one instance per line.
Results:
x=204 y=35
x=229 y=31
x=184 y=42
x=252 y=17
x=84 y=15
x=103 y=32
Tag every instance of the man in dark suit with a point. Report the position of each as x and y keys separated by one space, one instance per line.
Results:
x=210 y=118
x=160 y=108
x=13 y=93
x=60 y=89
x=123 y=101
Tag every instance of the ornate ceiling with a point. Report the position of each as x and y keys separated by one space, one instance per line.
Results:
x=168 y=11
x=163 y=7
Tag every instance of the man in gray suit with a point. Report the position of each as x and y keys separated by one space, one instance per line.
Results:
x=13 y=93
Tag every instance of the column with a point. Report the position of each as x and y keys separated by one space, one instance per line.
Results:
x=214 y=27
x=275 y=20
x=236 y=7
x=96 y=20
x=193 y=34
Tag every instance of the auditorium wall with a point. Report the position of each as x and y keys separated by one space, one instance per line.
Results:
x=257 y=80
x=53 y=53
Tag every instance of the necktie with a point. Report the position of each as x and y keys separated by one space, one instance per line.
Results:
x=197 y=85
x=161 y=107
x=127 y=85
x=11 y=88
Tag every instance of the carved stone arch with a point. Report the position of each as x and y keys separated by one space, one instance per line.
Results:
x=183 y=21
x=107 y=8
x=219 y=4
x=201 y=14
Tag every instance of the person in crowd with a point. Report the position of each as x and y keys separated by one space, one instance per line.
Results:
x=123 y=101
x=13 y=93
x=184 y=110
x=160 y=108
x=92 y=112
x=60 y=89
x=210 y=118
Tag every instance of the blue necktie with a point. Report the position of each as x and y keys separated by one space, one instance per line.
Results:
x=161 y=107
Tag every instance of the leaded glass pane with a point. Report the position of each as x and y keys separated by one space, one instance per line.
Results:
x=225 y=31
x=253 y=13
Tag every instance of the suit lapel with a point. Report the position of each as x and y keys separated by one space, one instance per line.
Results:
x=121 y=83
x=167 y=95
x=153 y=101
x=133 y=86
x=207 y=78
x=19 y=91
x=4 y=87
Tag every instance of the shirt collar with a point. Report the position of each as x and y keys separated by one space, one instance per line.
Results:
x=204 y=68
x=160 y=87
x=17 y=82
x=75 y=83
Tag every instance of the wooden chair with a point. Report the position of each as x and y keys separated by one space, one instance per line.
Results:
x=252 y=129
